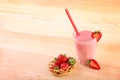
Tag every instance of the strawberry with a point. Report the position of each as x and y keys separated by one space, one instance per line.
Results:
x=54 y=66
x=97 y=35
x=92 y=63
x=64 y=66
x=61 y=59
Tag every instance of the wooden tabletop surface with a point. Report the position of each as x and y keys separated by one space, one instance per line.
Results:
x=32 y=33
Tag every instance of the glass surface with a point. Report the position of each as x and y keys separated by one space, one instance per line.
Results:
x=85 y=46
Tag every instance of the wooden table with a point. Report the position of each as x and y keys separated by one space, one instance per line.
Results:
x=31 y=35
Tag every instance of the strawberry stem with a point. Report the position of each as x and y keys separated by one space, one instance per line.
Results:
x=87 y=62
x=64 y=54
x=97 y=31
x=55 y=59
x=56 y=68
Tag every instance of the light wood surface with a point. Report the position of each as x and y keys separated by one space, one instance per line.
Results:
x=33 y=32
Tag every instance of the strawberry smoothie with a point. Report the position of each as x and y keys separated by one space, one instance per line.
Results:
x=85 y=46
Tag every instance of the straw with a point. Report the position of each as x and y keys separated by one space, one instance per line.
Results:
x=72 y=22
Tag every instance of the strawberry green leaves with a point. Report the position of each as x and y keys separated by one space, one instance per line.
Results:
x=71 y=61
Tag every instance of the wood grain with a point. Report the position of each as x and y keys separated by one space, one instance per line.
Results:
x=32 y=32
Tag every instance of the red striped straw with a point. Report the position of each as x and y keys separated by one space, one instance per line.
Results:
x=72 y=22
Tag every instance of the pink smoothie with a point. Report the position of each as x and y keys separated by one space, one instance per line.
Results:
x=85 y=46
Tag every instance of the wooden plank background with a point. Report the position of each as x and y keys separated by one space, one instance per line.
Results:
x=42 y=27
x=47 y=17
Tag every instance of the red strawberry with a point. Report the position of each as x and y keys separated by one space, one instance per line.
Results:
x=54 y=66
x=97 y=35
x=64 y=66
x=61 y=59
x=93 y=64
x=64 y=59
